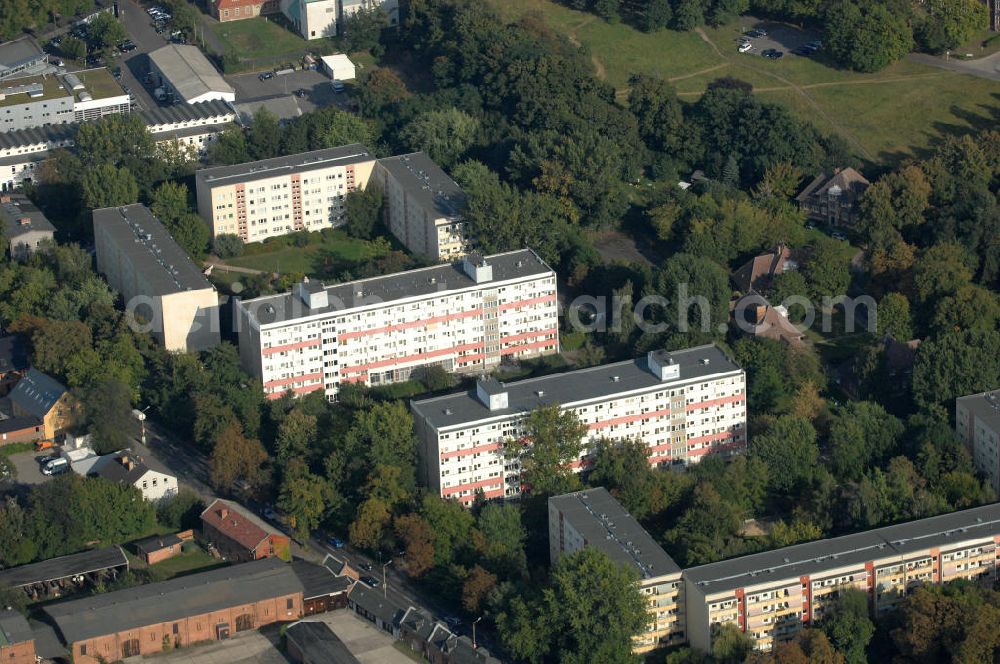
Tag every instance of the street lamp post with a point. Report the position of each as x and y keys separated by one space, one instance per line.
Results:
x=385 y=586
x=474 y=631
x=141 y=416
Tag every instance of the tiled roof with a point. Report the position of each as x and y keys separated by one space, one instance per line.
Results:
x=237 y=523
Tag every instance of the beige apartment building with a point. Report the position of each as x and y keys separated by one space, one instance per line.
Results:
x=423 y=206
x=774 y=594
x=977 y=423
x=273 y=197
x=594 y=518
x=161 y=286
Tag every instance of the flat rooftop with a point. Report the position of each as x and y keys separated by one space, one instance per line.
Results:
x=98 y=82
x=319 y=643
x=985 y=406
x=608 y=527
x=400 y=286
x=19 y=208
x=293 y=163
x=814 y=558
x=167 y=601
x=598 y=382
x=85 y=562
x=14 y=628
x=427 y=183
x=142 y=239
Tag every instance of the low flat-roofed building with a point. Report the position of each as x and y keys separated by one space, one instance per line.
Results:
x=212 y=605
x=423 y=206
x=26 y=227
x=21 y=57
x=322 y=588
x=272 y=197
x=774 y=594
x=158 y=548
x=977 y=424
x=17 y=640
x=66 y=574
x=156 y=278
x=184 y=71
x=36 y=101
x=683 y=404
x=593 y=518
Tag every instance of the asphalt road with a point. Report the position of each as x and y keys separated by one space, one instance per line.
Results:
x=135 y=65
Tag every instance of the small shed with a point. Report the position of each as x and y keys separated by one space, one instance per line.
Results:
x=159 y=548
x=339 y=67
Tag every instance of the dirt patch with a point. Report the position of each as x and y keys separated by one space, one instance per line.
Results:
x=617 y=246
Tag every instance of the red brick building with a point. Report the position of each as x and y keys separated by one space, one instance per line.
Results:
x=240 y=535
x=209 y=606
x=237 y=10
x=20 y=430
x=159 y=548
x=17 y=641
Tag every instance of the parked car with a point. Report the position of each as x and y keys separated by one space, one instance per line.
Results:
x=772 y=54
x=370 y=581
x=814 y=45
x=803 y=51
x=127 y=47
x=301 y=92
x=745 y=47
x=757 y=33
x=454 y=622
x=266 y=75
x=837 y=235
x=366 y=566
x=270 y=514
x=338 y=86
x=57 y=466
x=335 y=542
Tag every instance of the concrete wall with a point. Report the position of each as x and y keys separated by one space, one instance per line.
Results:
x=22 y=246
x=190 y=320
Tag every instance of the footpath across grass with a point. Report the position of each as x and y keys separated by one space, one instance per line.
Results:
x=886 y=117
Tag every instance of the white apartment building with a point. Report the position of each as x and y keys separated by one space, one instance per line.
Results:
x=593 y=518
x=465 y=317
x=272 y=197
x=423 y=206
x=977 y=423
x=774 y=594
x=682 y=404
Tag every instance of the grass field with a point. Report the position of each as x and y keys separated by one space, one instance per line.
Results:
x=886 y=116
x=335 y=252
x=258 y=38
x=193 y=559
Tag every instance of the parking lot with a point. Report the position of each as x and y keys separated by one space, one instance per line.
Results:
x=316 y=86
x=135 y=65
x=780 y=37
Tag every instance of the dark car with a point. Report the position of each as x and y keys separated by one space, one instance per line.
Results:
x=772 y=54
x=266 y=75
x=366 y=566
x=126 y=47
x=335 y=542
x=756 y=34
x=803 y=51
x=370 y=581
x=300 y=92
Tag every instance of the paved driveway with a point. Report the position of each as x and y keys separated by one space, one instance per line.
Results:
x=249 y=648
x=29 y=471
x=988 y=67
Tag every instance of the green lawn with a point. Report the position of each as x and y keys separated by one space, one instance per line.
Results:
x=886 y=116
x=335 y=252
x=194 y=559
x=258 y=38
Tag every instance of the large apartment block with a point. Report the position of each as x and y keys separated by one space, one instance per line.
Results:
x=772 y=595
x=272 y=197
x=593 y=518
x=465 y=317
x=977 y=423
x=423 y=206
x=156 y=278
x=683 y=404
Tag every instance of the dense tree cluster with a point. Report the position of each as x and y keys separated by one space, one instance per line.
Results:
x=16 y=16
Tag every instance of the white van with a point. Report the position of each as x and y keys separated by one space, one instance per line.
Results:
x=55 y=467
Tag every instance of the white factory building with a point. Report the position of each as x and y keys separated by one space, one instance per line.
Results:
x=465 y=317
x=683 y=404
